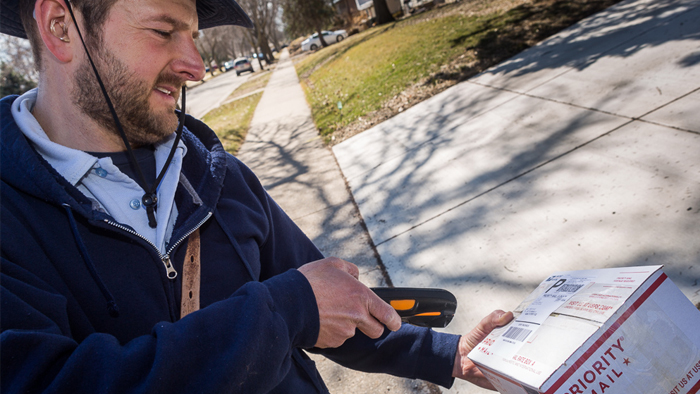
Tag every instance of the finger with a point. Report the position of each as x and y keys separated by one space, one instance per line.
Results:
x=348 y=267
x=495 y=319
x=371 y=327
x=384 y=312
x=353 y=270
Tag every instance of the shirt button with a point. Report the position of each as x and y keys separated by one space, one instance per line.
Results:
x=101 y=172
x=135 y=204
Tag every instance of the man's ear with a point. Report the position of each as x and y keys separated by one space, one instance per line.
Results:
x=56 y=28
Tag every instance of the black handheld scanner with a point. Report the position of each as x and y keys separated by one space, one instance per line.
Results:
x=420 y=307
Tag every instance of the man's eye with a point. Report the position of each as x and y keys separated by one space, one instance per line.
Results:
x=165 y=34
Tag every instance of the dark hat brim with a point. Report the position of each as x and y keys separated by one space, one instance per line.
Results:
x=214 y=13
x=211 y=13
x=10 y=21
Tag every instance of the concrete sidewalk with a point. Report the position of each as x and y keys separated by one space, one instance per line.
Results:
x=284 y=150
x=582 y=152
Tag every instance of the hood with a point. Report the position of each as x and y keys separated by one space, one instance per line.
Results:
x=25 y=170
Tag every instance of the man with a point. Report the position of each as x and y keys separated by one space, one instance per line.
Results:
x=138 y=256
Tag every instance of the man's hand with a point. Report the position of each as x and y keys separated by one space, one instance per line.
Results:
x=464 y=368
x=345 y=304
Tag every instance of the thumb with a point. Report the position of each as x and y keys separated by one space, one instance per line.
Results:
x=384 y=312
x=495 y=319
x=503 y=319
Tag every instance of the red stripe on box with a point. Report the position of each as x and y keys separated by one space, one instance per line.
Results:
x=607 y=334
x=695 y=388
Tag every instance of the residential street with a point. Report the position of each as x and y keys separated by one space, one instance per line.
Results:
x=204 y=97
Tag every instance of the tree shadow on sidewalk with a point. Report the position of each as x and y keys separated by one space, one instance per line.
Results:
x=440 y=192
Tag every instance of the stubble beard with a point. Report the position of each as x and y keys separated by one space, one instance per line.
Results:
x=130 y=98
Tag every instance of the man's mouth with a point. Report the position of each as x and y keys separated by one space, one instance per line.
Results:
x=169 y=85
x=163 y=90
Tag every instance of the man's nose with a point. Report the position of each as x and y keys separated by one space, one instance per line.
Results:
x=189 y=64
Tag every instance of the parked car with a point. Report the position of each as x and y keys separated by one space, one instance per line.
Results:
x=228 y=65
x=241 y=65
x=330 y=37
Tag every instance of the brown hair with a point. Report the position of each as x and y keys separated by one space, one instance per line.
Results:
x=94 y=14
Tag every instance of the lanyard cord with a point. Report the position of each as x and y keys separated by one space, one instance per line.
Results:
x=150 y=197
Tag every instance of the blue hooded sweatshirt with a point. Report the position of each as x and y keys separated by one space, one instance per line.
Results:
x=87 y=305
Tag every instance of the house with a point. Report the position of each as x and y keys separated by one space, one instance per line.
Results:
x=357 y=12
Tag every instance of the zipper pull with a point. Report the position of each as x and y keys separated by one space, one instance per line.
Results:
x=172 y=274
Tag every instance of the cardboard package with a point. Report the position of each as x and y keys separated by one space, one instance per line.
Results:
x=608 y=331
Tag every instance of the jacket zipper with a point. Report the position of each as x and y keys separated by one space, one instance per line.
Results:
x=165 y=258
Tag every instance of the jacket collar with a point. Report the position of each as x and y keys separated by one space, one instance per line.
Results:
x=24 y=169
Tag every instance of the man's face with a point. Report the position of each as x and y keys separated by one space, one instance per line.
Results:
x=146 y=54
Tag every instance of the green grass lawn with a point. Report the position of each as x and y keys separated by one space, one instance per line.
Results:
x=367 y=71
x=231 y=121
x=384 y=62
x=255 y=82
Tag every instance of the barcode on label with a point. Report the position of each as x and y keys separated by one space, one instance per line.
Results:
x=517 y=334
x=569 y=288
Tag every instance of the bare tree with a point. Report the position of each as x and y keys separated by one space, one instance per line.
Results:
x=234 y=42
x=219 y=44
x=261 y=12
x=280 y=31
x=272 y=27
x=304 y=16
x=210 y=43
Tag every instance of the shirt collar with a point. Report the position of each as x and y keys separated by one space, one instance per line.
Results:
x=72 y=164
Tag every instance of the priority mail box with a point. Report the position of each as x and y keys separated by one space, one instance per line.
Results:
x=609 y=331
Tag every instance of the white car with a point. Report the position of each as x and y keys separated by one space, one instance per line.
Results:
x=330 y=37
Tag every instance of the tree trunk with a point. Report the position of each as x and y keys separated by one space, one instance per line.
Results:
x=260 y=62
x=320 y=37
x=265 y=48
x=275 y=41
x=251 y=40
x=349 y=14
x=210 y=59
x=382 y=11
x=253 y=44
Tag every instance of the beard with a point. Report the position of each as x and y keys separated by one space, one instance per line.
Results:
x=130 y=98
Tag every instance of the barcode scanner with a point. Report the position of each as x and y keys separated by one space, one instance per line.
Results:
x=420 y=306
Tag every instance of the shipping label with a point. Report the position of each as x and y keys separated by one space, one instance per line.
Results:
x=532 y=317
